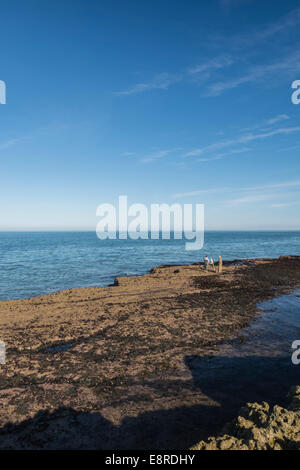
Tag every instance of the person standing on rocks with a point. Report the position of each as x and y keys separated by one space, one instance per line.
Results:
x=206 y=262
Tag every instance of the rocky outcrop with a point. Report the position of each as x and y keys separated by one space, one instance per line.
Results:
x=261 y=427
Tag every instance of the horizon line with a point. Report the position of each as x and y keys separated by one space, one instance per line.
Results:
x=149 y=231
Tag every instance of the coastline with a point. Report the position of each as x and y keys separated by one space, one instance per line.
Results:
x=123 y=352
x=39 y=264
x=115 y=278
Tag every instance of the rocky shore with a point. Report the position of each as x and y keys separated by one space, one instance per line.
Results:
x=261 y=427
x=113 y=367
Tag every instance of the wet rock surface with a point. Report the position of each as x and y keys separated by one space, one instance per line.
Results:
x=260 y=426
x=158 y=361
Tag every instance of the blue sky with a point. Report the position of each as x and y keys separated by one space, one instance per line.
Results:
x=162 y=101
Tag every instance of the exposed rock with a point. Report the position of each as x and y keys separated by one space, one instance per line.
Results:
x=260 y=427
x=129 y=354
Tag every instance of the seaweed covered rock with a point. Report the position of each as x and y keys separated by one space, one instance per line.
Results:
x=260 y=427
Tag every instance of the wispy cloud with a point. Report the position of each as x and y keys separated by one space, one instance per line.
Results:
x=285 y=184
x=250 y=189
x=285 y=24
x=286 y=66
x=224 y=154
x=282 y=130
x=212 y=64
x=286 y=149
x=285 y=204
x=262 y=125
x=240 y=47
x=274 y=120
x=158 y=154
x=241 y=140
x=250 y=199
x=11 y=142
x=265 y=194
x=8 y=143
x=34 y=132
x=199 y=192
x=250 y=38
x=262 y=196
x=245 y=45
x=161 y=81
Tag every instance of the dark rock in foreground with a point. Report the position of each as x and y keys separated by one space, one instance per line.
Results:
x=261 y=427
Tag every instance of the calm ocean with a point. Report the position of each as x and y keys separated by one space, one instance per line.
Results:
x=35 y=263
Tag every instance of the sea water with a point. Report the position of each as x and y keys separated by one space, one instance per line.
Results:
x=36 y=263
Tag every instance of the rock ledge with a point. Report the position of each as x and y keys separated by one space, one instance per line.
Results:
x=261 y=427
